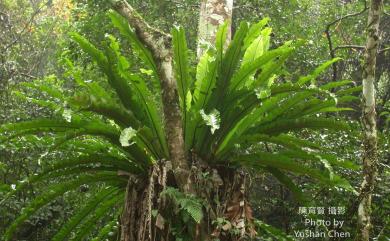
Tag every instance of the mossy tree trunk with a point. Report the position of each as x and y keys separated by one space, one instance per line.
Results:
x=213 y=13
x=370 y=154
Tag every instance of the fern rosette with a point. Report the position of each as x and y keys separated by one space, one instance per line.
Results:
x=239 y=110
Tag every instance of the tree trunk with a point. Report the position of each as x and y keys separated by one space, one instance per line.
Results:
x=142 y=197
x=213 y=13
x=369 y=122
x=160 y=45
x=225 y=191
x=228 y=185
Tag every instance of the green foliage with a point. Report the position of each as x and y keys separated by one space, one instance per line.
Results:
x=272 y=232
x=269 y=118
x=190 y=205
x=55 y=191
x=183 y=78
x=99 y=213
x=143 y=53
x=312 y=77
x=239 y=104
x=187 y=213
x=181 y=64
x=75 y=220
x=106 y=231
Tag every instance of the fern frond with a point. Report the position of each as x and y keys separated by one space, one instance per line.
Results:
x=312 y=77
x=153 y=116
x=106 y=230
x=106 y=107
x=89 y=224
x=181 y=66
x=50 y=90
x=335 y=84
x=123 y=26
x=91 y=50
x=254 y=32
x=289 y=183
x=39 y=125
x=320 y=157
x=44 y=103
x=76 y=219
x=276 y=233
x=229 y=64
x=247 y=70
x=258 y=46
x=285 y=140
x=220 y=40
x=283 y=162
x=78 y=165
x=282 y=126
x=349 y=91
x=53 y=192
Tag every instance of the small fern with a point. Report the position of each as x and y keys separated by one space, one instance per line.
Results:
x=187 y=203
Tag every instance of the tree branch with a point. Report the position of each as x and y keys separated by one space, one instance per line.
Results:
x=357 y=47
x=29 y=76
x=384 y=10
x=156 y=40
x=384 y=50
x=26 y=26
x=329 y=38
x=160 y=45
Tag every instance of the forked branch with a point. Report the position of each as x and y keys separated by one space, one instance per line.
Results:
x=156 y=40
x=160 y=45
x=329 y=38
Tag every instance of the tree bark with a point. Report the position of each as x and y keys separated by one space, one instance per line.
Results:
x=137 y=223
x=213 y=13
x=369 y=122
x=142 y=197
x=160 y=45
